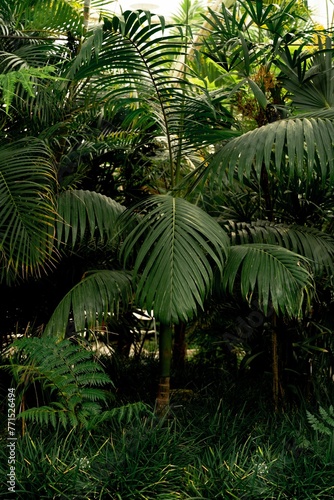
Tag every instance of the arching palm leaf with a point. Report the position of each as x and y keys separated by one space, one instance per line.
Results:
x=299 y=147
x=27 y=208
x=317 y=247
x=178 y=245
x=54 y=18
x=43 y=16
x=90 y=302
x=83 y=213
x=278 y=276
x=30 y=28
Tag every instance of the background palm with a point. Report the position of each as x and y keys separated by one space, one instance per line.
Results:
x=280 y=175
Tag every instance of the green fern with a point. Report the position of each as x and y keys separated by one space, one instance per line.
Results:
x=123 y=415
x=68 y=371
x=27 y=78
x=323 y=424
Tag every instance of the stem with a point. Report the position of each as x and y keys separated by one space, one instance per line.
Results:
x=179 y=348
x=86 y=13
x=180 y=138
x=275 y=368
x=165 y=353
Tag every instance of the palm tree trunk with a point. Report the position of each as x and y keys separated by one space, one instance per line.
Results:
x=86 y=13
x=278 y=391
x=179 y=348
x=165 y=353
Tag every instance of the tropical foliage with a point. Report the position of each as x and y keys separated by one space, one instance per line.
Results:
x=180 y=172
x=64 y=368
x=109 y=110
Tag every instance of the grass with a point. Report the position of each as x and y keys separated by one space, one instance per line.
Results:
x=215 y=444
x=219 y=455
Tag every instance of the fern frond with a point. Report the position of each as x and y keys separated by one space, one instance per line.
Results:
x=327 y=416
x=122 y=415
x=323 y=427
x=70 y=373
x=45 y=415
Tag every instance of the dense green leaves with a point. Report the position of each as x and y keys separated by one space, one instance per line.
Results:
x=178 y=246
x=314 y=245
x=278 y=275
x=135 y=61
x=27 y=208
x=90 y=302
x=86 y=214
x=296 y=147
x=126 y=75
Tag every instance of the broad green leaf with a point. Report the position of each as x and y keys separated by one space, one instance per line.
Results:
x=83 y=214
x=277 y=275
x=176 y=245
x=99 y=294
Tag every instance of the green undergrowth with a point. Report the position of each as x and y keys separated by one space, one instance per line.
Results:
x=220 y=440
x=200 y=451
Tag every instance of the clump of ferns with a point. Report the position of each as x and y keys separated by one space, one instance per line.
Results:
x=324 y=425
x=74 y=380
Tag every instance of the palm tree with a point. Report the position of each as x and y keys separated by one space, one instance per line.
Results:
x=174 y=250
x=178 y=243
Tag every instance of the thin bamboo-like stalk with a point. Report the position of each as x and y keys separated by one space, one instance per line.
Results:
x=165 y=353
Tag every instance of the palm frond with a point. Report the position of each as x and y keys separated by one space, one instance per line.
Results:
x=27 y=207
x=296 y=147
x=90 y=302
x=178 y=245
x=308 y=77
x=278 y=276
x=82 y=213
x=49 y=17
x=317 y=247
x=133 y=63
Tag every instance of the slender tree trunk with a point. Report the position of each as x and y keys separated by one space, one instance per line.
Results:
x=275 y=368
x=278 y=391
x=265 y=186
x=179 y=348
x=165 y=353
